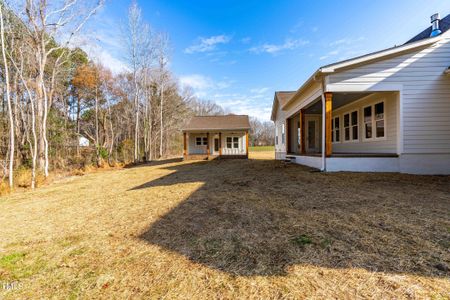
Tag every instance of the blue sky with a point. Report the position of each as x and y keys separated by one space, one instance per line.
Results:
x=237 y=53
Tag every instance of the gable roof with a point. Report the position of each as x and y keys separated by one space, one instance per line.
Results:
x=284 y=96
x=444 y=25
x=281 y=97
x=227 y=122
x=420 y=40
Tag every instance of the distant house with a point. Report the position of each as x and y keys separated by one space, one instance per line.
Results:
x=83 y=142
x=207 y=137
x=387 y=111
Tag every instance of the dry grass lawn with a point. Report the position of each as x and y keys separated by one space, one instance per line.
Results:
x=228 y=229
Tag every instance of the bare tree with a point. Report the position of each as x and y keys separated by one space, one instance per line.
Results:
x=162 y=53
x=8 y=100
x=47 y=22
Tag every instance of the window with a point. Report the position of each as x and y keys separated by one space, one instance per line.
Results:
x=351 y=126
x=374 y=121
x=335 y=129
x=368 y=122
x=232 y=142
x=354 y=125
x=283 y=137
x=201 y=141
x=379 y=119
x=236 y=142
x=229 y=142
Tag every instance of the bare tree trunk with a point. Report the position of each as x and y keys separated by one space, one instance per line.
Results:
x=8 y=99
x=161 y=120
x=78 y=125
x=136 y=128
x=44 y=130
x=96 y=127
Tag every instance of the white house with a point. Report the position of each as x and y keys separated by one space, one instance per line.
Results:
x=387 y=111
x=208 y=137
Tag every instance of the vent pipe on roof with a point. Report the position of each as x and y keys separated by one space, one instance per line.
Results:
x=435 y=25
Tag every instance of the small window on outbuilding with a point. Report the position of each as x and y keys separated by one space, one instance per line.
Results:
x=229 y=142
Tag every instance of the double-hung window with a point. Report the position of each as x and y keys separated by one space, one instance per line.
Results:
x=335 y=128
x=374 y=121
x=199 y=141
x=351 y=126
x=379 y=119
x=232 y=142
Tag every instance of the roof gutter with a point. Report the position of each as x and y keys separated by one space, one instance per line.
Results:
x=360 y=59
x=314 y=77
x=213 y=129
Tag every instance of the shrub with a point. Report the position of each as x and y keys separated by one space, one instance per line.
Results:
x=302 y=240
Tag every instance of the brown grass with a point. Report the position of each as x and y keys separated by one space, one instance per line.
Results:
x=228 y=229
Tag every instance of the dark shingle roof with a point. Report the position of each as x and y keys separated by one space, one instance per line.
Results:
x=444 y=25
x=227 y=122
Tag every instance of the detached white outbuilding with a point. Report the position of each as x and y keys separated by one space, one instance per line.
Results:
x=387 y=111
x=211 y=137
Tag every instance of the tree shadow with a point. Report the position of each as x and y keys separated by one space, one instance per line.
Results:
x=258 y=217
x=154 y=163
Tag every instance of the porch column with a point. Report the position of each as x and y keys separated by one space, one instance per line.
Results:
x=246 y=143
x=220 y=143
x=207 y=144
x=184 y=145
x=286 y=136
x=302 y=132
x=328 y=119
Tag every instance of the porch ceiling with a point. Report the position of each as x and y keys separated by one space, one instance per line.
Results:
x=339 y=99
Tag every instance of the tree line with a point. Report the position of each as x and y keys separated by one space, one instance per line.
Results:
x=55 y=95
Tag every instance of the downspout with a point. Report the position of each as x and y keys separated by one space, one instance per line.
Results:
x=324 y=160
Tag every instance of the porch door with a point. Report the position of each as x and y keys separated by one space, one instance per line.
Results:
x=312 y=136
x=216 y=146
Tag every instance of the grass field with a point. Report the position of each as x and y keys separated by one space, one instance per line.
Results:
x=225 y=229
x=261 y=148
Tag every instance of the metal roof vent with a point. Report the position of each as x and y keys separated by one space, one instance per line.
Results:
x=435 y=25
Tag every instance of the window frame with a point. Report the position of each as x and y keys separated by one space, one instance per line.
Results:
x=350 y=126
x=203 y=140
x=233 y=142
x=373 y=122
x=333 y=130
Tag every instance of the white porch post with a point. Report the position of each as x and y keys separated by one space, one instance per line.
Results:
x=324 y=160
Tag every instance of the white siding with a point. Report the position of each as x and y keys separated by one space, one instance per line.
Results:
x=385 y=145
x=194 y=149
x=192 y=146
x=280 y=147
x=425 y=93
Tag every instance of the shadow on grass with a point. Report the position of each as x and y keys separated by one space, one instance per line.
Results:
x=154 y=163
x=261 y=217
